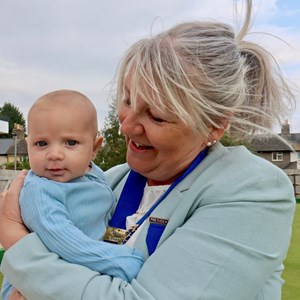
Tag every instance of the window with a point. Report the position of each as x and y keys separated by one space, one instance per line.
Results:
x=277 y=156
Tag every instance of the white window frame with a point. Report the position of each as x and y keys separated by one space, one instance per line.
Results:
x=277 y=156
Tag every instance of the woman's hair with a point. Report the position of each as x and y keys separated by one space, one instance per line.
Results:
x=207 y=76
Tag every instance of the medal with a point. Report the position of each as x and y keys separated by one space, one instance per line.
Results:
x=118 y=235
x=114 y=235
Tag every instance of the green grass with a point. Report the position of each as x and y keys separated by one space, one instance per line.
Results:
x=291 y=274
x=291 y=288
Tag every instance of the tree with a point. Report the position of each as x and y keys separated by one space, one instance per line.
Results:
x=228 y=141
x=12 y=114
x=113 y=151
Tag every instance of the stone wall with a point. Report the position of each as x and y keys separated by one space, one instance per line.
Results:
x=6 y=176
x=294 y=175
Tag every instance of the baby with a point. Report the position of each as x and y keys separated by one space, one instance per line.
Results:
x=65 y=198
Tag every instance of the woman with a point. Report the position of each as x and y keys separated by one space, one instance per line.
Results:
x=212 y=222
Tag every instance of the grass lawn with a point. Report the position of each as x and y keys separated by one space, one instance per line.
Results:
x=291 y=274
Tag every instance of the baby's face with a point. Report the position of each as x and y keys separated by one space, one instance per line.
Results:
x=60 y=145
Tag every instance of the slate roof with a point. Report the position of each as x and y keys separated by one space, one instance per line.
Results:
x=21 y=148
x=270 y=144
x=5 y=144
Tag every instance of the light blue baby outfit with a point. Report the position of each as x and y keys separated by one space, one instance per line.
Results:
x=70 y=218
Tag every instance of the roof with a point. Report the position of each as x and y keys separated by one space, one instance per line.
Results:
x=21 y=148
x=262 y=143
x=294 y=139
x=5 y=144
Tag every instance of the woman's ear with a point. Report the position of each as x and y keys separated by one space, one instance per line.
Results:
x=97 y=145
x=217 y=133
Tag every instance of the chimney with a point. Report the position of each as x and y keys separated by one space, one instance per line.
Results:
x=285 y=128
x=18 y=130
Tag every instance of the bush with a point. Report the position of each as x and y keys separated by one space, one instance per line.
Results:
x=19 y=165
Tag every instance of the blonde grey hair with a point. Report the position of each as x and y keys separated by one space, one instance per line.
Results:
x=207 y=76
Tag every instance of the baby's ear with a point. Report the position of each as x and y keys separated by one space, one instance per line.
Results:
x=97 y=144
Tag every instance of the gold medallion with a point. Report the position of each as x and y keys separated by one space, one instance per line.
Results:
x=114 y=235
x=117 y=235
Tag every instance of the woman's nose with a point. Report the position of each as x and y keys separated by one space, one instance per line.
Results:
x=130 y=124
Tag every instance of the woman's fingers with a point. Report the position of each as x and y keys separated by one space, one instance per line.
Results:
x=9 y=205
x=16 y=295
x=12 y=228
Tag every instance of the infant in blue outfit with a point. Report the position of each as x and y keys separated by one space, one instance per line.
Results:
x=65 y=198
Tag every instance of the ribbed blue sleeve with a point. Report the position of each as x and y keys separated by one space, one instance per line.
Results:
x=43 y=206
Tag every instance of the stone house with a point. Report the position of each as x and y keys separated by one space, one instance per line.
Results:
x=7 y=148
x=276 y=151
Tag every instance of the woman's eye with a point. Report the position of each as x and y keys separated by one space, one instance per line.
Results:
x=156 y=118
x=41 y=143
x=71 y=143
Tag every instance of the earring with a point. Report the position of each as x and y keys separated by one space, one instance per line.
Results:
x=211 y=143
x=119 y=130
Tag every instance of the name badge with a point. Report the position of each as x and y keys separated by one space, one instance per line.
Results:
x=158 y=221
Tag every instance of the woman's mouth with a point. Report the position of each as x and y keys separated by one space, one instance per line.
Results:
x=140 y=146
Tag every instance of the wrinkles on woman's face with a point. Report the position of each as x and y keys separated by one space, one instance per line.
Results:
x=159 y=145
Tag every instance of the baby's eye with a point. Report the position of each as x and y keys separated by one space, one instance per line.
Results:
x=41 y=143
x=72 y=143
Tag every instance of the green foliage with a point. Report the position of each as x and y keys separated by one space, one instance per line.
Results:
x=13 y=115
x=291 y=287
x=227 y=141
x=25 y=165
x=1 y=279
x=19 y=165
x=113 y=151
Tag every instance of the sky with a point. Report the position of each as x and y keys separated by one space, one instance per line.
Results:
x=46 y=45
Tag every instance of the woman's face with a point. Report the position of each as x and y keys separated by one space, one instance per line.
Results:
x=159 y=145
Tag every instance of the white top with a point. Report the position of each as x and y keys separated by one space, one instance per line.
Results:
x=150 y=197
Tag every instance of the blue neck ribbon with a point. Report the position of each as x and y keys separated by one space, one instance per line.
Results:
x=132 y=195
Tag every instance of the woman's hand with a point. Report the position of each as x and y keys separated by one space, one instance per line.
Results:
x=16 y=295
x=12 y=228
